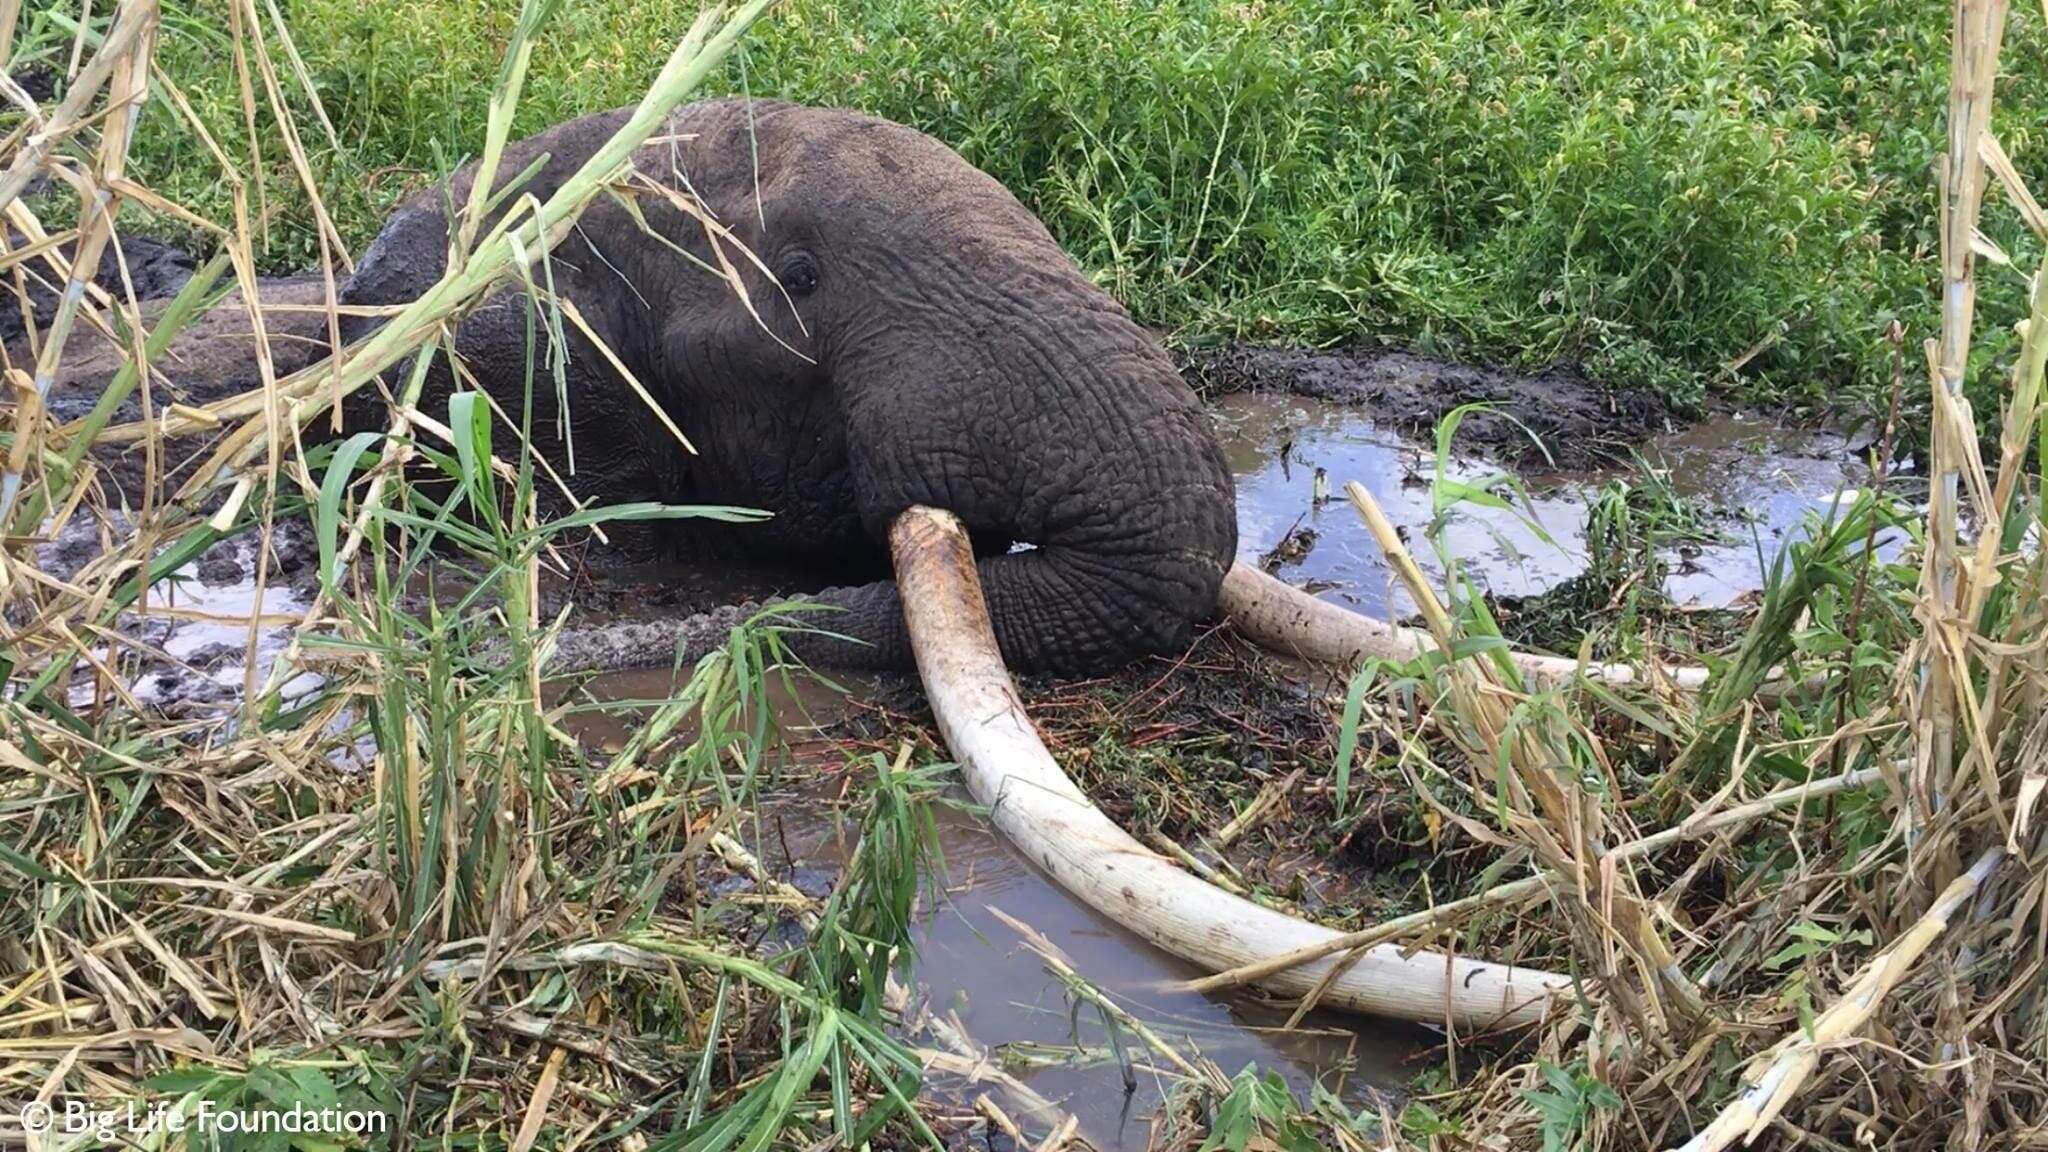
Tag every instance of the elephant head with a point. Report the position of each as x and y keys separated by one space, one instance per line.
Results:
x=846 y=319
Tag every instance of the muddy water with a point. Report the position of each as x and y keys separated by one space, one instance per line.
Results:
x=607 y=709
x=1762 y=481
x=201 y=619
x=970 y=963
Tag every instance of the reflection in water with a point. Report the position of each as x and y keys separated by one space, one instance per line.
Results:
x=1767 y=478
x=971 y=963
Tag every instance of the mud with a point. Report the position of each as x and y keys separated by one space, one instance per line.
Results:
x=1578 y=422
x=38 y=84
x=808 y=713
x=155 y=271
x=190 y=640
x=1758 y=481
x=211 y=359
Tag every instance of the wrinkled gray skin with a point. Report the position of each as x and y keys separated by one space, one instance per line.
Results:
x=940 y=349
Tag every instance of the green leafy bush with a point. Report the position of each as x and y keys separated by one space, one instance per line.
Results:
x=1657 y=189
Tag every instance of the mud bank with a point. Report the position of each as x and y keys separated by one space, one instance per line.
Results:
x=213 y=358
x=1579 y=423
x=155 y=271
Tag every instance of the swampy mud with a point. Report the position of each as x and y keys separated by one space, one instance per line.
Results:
x=1751 y=484
x=153 y=270
x=972 y=965
x=1165 y=745
x=212 y=358
x=1556 y=416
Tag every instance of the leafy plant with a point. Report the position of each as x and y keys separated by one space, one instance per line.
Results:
x=1566 y=1104
x=1810 y=939
x=865 y=931
x=1258 y=1107
x=281 y=1086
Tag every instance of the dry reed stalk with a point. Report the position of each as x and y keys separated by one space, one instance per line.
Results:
x=134 y=18
x=1561 y=824
x=125 y=53
x=1195 y=864
x=1059 y=965
x=1979 y=27
x=1786 y=1067
x=1453 y=911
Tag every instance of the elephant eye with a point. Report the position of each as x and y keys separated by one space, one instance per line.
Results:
x=799 y=275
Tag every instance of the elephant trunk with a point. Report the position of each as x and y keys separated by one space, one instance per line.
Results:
x=1059 y=425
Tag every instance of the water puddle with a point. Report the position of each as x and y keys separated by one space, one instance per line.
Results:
x=609 y=708
x=970 y=963
x=196 y=631
x=1760 y=481
x=974 y=966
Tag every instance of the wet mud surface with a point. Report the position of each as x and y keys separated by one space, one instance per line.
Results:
x=1578 y=422
x=213 y=358
x=154 y=270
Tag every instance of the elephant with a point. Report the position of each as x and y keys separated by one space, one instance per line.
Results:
x=909 y=334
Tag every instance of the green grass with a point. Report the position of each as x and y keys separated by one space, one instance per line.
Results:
x=1652 y=188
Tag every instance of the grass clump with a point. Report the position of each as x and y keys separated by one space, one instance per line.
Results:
x=1845 y=848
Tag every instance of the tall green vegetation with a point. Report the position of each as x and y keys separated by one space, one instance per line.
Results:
x=1679 y=195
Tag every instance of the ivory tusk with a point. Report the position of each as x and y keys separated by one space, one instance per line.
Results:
x=1278 y=616
x=1041 y=811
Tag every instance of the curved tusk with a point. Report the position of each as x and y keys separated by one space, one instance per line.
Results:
x=1276 y=615
x=1041 y=811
